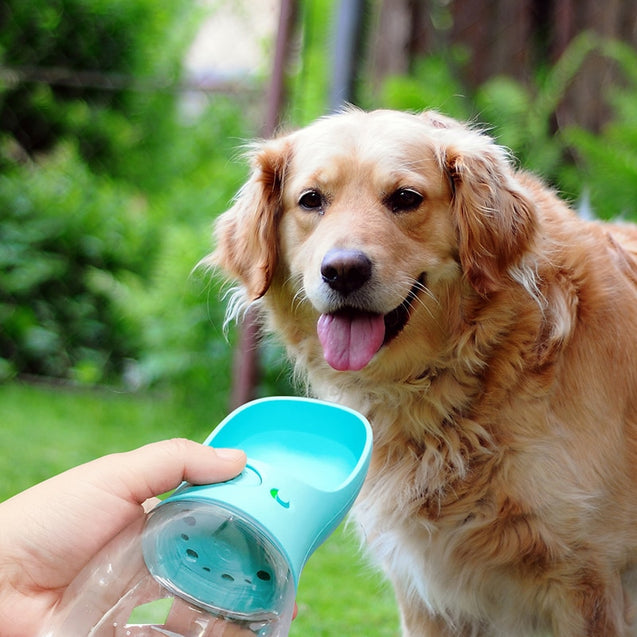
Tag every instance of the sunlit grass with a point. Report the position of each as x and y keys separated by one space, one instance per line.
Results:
x=47 y=429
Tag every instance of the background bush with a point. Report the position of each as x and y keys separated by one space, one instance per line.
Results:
x=595 y=169
x=66 y=240
x=80 y=65
x=107 y=197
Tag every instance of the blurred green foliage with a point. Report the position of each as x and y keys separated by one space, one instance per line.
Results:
x=94 y=51
x=605 y=167
x=597 y=168
x=65 y=239
x=433 y=84
x=309 y=84
x=107 y=196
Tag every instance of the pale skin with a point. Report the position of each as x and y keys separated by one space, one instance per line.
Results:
x=50 y=531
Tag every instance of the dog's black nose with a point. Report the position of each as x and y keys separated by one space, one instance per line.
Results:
x=346 y=270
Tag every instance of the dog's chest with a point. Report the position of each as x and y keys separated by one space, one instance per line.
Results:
x=420 y=556
x=420 y=517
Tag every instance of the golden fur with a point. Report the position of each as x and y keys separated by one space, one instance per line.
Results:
x=502 y=496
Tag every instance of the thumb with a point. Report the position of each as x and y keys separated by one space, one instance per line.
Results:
x=161 y=466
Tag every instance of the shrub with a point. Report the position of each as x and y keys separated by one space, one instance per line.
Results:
x=111 y=172
x=83 y=69
x=600 y=168
x=67 y=238
x=432 y=85
x=606 y=163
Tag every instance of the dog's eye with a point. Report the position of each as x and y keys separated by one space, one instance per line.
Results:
x=404 y=200
x=311 y=200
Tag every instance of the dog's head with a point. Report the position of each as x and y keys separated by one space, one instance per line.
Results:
x=361 y=217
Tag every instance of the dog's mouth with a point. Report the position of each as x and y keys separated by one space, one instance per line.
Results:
x=351 y=337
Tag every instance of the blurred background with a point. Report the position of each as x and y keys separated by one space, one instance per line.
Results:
x=121 y=128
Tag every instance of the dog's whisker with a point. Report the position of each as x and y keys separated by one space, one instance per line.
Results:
x=421 y=287
x=299 y=297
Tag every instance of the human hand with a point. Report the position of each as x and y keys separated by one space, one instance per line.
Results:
x=52 y=530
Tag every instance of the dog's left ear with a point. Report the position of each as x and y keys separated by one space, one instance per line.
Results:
x=496 y=220
x=246 y=235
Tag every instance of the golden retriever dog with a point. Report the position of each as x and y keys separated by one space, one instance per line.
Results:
x=490 y=337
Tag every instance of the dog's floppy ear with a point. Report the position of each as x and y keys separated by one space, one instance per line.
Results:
x=496 y=220
x=246 y=235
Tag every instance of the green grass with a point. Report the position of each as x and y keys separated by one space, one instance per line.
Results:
x=45 y=430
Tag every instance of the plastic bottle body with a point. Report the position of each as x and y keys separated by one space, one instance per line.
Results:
x=116 y=595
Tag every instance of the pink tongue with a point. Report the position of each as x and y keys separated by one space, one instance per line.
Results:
x=350 y=341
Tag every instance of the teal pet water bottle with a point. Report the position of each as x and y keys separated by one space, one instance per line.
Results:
x=225 y=559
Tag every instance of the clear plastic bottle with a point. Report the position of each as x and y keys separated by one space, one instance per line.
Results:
x=193 y=569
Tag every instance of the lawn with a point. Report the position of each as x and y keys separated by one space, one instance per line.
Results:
x=45 y=430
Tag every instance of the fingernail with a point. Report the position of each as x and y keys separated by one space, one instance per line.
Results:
x=230 y=454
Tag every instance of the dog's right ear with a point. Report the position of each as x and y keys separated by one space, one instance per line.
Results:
x=246 y=235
